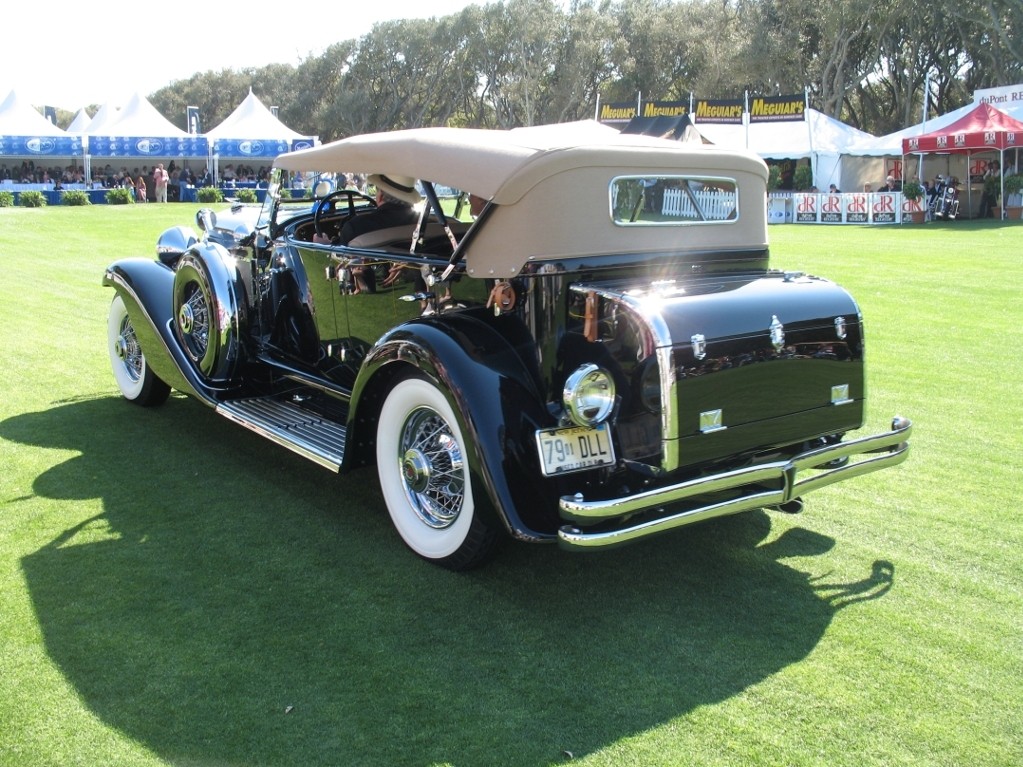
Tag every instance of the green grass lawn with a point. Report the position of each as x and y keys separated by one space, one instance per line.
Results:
x=175 y=590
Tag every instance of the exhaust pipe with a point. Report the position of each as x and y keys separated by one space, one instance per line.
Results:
x=790 y=507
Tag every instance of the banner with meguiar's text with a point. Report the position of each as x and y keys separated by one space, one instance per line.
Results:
x=665 y=108
x=43 y=146
x=148 y=146
x=617 y=113
x=777 y=108
x=726 y=111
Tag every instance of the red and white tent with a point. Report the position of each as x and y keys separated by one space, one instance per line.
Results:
x=982 y=129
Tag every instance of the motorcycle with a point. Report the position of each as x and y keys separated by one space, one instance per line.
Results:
x=945 y=203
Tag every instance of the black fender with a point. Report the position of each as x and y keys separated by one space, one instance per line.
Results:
x=147 y=289
x=496 y=398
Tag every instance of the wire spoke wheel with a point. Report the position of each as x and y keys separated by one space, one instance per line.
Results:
x=194 y=320
x=432 y=468
x=137 y=383
x=425 y=478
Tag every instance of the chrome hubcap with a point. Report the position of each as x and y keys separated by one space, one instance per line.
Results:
x=431 y=469
x=416 y=470
x=194 y=322
x=126 y=347
x=186 y=320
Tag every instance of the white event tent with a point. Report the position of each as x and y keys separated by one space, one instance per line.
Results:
x=105 y=116
x=825 y=142
x=1007 y=99
x=140 y=131
x=25 y=133
x=252 y=131
x=80 y=124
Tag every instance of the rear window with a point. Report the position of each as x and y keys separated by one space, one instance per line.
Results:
x=673 y=200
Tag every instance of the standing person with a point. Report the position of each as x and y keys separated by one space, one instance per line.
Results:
x=140 y=189
x=160 y=179
x=988 y=197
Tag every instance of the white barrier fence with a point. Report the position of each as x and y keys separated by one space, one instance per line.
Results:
x=715 y=205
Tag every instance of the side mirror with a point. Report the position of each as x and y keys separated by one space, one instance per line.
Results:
x=323 y=188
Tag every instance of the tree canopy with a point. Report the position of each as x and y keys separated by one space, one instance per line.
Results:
x=528 y=62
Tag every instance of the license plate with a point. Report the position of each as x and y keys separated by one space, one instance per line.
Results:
x=574 y=449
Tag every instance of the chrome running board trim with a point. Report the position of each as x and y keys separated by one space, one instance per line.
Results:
x=302 y=431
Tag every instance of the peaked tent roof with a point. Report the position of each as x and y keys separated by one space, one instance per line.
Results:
x=982 y=128
x=252 y=120
x=103 y=119
x=19 y=118
x=1008 y=98
x=139 y=130
x=81 y=122
x=790 y=140
x=140 y=118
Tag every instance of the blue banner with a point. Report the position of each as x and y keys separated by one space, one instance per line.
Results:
x=249 y=147
x=148 y=146
x=46 y=146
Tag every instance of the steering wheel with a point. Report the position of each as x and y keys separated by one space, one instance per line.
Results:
x=329 y=204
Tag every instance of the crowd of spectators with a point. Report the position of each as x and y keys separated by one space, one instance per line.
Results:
x=232 y=174
x=29 y=173
x=109 y=177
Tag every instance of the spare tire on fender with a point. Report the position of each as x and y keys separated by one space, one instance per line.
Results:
x=209 y=310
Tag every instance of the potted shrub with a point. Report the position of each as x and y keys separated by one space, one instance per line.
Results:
x=802 y=179
x=1014 y=196
x=914 y=192
x=75 y=197
x=32 y=199
x=209 y=194
x=119 y=196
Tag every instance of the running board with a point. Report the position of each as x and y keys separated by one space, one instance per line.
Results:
x=300 y=430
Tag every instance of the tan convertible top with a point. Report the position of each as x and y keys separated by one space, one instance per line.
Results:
x=551 y=184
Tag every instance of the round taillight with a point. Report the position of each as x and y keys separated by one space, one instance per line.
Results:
x=589 y=395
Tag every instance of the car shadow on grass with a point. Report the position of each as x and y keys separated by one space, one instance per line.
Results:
x=232 y=603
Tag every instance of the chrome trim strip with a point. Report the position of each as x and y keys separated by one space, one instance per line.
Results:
x=669 y=409
x=892 y=449
x=646 y=311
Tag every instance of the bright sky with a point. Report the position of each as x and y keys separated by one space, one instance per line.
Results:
x=71 y=55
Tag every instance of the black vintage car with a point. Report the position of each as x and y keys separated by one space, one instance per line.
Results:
x=599 y=352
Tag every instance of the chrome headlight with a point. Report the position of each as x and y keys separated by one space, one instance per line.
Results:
x=173 y=243
x=589 y=395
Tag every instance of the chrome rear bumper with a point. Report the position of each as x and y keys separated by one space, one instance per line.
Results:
x=770 y=484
